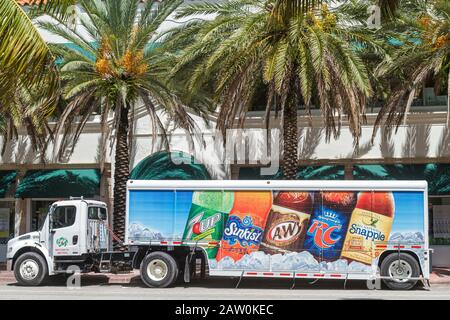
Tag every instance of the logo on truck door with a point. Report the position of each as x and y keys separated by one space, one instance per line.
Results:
x=62 y=242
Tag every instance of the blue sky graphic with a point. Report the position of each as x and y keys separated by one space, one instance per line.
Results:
x=409 y=215
x=159 y=211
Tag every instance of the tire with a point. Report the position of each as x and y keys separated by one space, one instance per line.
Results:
x=30 y=269
x=159 y=270
x=409 y=268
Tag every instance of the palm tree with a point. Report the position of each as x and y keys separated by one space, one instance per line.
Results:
x=117 y=68
x=423 y=52
x=28 y=109
x=25 y=58
x=304 y=53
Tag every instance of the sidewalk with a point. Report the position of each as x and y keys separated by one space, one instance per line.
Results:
x=110 y=278
x=438 y=276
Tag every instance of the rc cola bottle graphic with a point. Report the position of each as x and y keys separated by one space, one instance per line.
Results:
x=245 y=226
x=328 y=224
x=207 y=216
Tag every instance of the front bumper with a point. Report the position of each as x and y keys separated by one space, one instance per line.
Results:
x=9 y=265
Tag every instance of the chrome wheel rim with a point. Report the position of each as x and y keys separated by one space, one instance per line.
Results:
x=400 y=271
x=157 y=270
x=29 y=269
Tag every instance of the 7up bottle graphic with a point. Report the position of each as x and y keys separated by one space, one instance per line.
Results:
x=200 y=227
x=207 y=216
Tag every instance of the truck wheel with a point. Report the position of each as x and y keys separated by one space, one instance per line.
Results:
x=402 y=266
x=30 y=269
x=159 y=270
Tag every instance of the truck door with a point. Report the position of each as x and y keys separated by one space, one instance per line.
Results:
x=65 y=231
x=97 y=234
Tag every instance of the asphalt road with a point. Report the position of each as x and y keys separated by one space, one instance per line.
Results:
x=96 y=287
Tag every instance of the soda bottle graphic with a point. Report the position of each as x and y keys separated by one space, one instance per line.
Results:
x=207 y=216
x=287 y=222
x=328 y=224
x=371 y=222
x=245 y=226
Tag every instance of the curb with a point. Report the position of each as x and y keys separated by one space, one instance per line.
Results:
x=8 y=277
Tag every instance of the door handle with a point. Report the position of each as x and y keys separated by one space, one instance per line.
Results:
x=74 y=240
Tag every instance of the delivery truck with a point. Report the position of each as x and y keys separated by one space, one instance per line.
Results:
x=348 y=230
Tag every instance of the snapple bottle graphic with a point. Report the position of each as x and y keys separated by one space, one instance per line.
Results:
x=328 y=225
x=207 y=216
x=288 y=219
x=244 y=229
x=371 y=222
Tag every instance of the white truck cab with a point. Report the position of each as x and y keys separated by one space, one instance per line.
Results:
x=75 y=232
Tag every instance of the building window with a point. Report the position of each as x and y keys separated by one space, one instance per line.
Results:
x=6 y=226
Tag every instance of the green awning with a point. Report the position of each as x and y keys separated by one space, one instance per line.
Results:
x=175 y=165
x=437 y=174
x=7 y=181
x=59 y=184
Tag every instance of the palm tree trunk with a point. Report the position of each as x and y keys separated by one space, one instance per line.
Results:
x=290 y=135
x=121 y=174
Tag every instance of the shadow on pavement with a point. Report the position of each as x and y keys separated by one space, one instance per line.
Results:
x=61 y=281
x=220 y=283
x=266 y=284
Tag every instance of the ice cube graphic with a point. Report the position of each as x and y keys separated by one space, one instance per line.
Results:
x=226 y=263
x=305 y=261
x=137 y=231
x=406 y=237
x=212 y=264
x=294 y=261
x=359 y=267
x=397 y=236
x=256 y=260
x=338 y=265
x=278 y=262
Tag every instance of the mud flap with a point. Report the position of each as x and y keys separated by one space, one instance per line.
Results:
x=187 y=269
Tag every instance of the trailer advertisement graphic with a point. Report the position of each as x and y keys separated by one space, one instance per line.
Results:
x=338 y=231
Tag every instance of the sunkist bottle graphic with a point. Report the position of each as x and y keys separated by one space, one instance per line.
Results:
x=328 y=224
x=245 y=226
x=371 y=222
x=207 y=216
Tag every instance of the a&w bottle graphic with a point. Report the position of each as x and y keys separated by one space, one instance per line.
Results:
x=207 y=216
x=286 y=226
x=370 y=224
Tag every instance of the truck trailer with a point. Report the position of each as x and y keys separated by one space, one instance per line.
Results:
x=348 y=230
